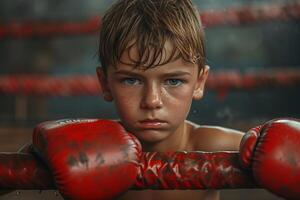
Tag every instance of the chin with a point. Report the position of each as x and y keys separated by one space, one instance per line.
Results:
x=151 y=135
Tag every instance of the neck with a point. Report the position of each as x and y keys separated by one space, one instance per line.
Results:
x=177 y=141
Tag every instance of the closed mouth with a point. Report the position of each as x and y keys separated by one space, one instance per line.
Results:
x=152 y=121
x=151 y=124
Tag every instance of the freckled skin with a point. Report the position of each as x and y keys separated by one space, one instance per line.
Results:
x=154 y=93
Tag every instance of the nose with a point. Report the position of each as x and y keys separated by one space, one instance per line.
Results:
x=152 y=97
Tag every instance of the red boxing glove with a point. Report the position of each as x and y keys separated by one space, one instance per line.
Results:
x=89 y=158
x=273 y=153
x=248 y=145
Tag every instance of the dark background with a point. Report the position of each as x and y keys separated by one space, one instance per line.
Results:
x=246 y=47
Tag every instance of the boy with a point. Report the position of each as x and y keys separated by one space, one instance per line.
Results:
x=152 y=67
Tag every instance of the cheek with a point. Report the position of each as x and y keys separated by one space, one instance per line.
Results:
x=125 y=101
x=180 y=95
x=126 y=110
x=179 y=101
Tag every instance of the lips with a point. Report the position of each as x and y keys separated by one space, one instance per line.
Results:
x=151 y=123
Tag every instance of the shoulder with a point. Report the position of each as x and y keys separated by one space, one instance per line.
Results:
x=214 y=138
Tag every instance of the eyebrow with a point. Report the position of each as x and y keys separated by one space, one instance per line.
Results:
x=175 y=73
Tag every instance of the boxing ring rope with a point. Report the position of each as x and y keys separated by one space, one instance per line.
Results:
x=87 y=85
x=210 y=18
x=229 y=175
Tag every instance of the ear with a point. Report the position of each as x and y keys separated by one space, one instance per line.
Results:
x=104 y=84
x=200 y=85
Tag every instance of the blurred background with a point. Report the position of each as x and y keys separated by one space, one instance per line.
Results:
x=48 y=56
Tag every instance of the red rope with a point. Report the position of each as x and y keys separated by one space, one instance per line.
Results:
x=48 y=28
x=44 y=85
x=87 y=85
x=232 y=16
x=248 y=14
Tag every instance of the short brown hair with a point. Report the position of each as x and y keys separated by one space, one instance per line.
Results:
x=148 y=25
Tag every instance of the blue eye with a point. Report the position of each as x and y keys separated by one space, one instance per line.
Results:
x=130 y=81
x=174 y=82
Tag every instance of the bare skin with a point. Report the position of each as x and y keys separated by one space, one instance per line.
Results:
x=153 y=104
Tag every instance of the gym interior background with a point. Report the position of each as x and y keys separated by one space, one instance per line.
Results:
x=48 y=56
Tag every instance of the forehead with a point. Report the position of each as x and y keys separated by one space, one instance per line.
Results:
x=132 y=55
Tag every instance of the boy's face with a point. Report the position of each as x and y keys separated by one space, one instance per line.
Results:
x=152 y=104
